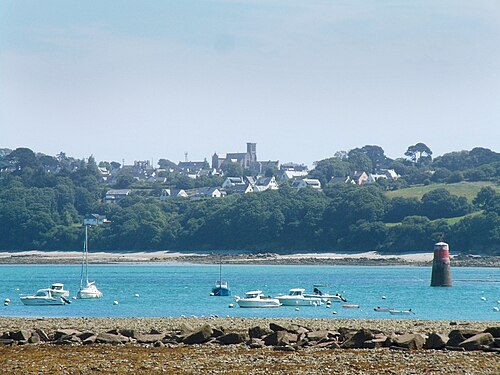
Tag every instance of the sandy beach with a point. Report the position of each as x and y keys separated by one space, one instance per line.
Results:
x=368 y=258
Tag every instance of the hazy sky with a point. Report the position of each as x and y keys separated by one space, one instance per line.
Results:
x=152 y=79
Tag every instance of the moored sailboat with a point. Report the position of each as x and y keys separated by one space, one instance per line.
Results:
x=87 y=289
x=221 y=288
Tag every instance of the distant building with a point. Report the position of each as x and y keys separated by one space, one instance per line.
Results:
x=192 y=167
x=116 y=195
x=170 y=193
x=291 y=174
x=265 y=183
x=357 y=178
x=245 y=159
x=94 y=219
x=312 y=183
x=205 y=192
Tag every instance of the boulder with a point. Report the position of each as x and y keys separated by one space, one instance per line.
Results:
x=65 y=332
x=43 y=335
x=414 y=341
x=454 y=338
x=477 y=342
x=217 y=332
x=148 y=338
x=6 y=342
x=109 y=338
x=466 y=333
x=127 y=332
x=495 y=331
x=258 y=332
x=285 y=348
x=21 y=335
x=158 y=344
x=232 y=338
x=358 y=339
x=497 y=342
x=255 y=343
x=89 y=340
x=317 y=335
x=280 y=338
x=34 y=339
x=200 y=336
x=85 y=335
x=375 y=343
x=436 y=341
x=277 y=327
x=186 y=329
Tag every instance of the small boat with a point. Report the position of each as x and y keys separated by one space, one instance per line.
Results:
x=325 y=296
x=256 y=299
x=401 y=312
x=350 y=306
x=43 y=297
x=296 y=297
x=88 y=290
x=58 y=290
x=221 y=288
x=383 y=309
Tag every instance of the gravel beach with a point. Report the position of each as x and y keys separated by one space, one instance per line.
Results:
x=213 y=358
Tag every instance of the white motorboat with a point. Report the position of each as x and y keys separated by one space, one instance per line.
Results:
x=296 y=297
x=88 y=290
x=58 y=290
x=325 y=296
x=382 y=309
x=256 y=299
x=401 y=312
x=43 y=297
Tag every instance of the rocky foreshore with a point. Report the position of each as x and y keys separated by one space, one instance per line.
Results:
x=302 y=338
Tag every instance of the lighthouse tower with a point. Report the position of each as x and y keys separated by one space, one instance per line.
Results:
x=441 y=273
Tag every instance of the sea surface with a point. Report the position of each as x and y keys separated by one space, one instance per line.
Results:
x=168 y=290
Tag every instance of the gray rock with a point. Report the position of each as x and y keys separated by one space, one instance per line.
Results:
x=232 y=338
x=43 y=335
x=6 y=342
x=85 y=335
x=34 y=339
x=317 y=335
x=110 y=338
x=65 y=332
x=258 y=332
x=455 y=338
x=217 y=332
x=436 y=341
x=454 y=348
x=477 y=342
x=466 y=333
x=127 y=332
x=200 y=336
x=375 y=343
x=158 y=344
x=148 y=338
x=277 y=327
x=186 y=329
x=21 y=335
x=89 y=340
x=497 y=342
x=413 y=341
x=495 y=331
x=285 y=348
x=358 y=339
x=255 y=343
x=279 y=338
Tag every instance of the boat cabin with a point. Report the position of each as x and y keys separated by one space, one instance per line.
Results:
x=296 y=292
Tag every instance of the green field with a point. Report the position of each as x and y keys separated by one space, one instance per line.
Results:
x=465 y=189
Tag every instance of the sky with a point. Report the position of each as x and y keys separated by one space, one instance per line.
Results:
x=144 y=80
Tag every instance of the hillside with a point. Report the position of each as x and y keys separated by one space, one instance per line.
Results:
x=465 y=189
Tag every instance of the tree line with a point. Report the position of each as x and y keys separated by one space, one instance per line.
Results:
x=43 y=209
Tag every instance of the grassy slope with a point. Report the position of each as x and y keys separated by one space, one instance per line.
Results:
x=465 y=189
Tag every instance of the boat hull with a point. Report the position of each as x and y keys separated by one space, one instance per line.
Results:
x=89 y=292
x=221 y=292
x=258 y=304
x=34 y=301
x=287 y=301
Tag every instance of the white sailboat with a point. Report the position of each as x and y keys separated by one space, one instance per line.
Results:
x=87 y=289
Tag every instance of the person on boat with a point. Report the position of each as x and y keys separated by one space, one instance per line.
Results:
x=317 y=291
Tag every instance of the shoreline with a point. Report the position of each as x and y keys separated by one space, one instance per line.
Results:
x=369 y=258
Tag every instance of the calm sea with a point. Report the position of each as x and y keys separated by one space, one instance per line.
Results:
x=173 y=290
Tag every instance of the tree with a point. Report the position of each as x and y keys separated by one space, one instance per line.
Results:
x=377 y=156
x=167 y=164
x=419 y=153
x=360 y=161
x=23 y=158
x=232 y=169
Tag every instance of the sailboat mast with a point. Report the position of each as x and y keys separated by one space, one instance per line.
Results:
x=220 y=270
x=86 y=254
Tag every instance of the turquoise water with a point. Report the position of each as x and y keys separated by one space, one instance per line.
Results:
x=174 y=290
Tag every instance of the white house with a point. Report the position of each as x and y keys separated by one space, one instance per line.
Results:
x=290 y=174
x=265 y=183
x=94 y=219
x=116 y=195
x=205 y=192
x=229 y=182
x=312 y=183
x=169 y=193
